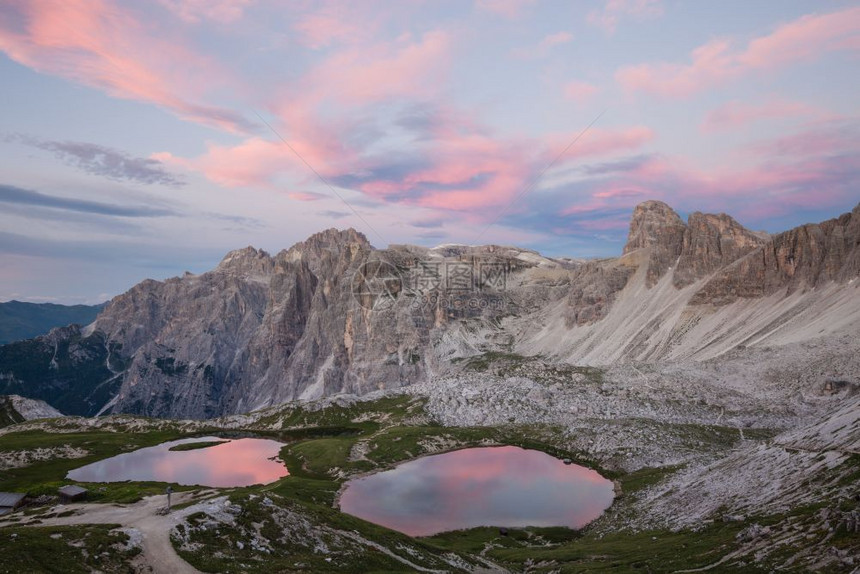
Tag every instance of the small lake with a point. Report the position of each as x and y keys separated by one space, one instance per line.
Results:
x=239 y=462
x=491 y=486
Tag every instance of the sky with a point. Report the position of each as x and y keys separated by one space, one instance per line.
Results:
x=144 y=139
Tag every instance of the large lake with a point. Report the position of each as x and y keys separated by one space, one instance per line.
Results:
x=491 y=486
x=239 y=462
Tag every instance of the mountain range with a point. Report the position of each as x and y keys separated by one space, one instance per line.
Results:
x=20 y=320
x=334 y=315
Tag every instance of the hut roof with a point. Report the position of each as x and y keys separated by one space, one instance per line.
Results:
x=11 y=499
x=72 y=490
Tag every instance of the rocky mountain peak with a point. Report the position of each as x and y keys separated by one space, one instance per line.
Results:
x=705 y=244
x=653 y=222
x=248 y=261
x=334 y=237
x=327 y=245
x=241 y=256
x=658 y=227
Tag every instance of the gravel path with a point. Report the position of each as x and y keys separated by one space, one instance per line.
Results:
x=158 y=555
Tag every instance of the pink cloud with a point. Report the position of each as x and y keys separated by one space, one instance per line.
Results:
x=259 y=162
x=511 y=9
x=813 y=169
x=194 y=11
x=470 y=170
x=580 y=91
x=737 y=113
x=615 y=10
x=717 y=62
x=556 y=39
x=106 y=47
x=543 y=47
x=306 y=196
x=383 y=70
x=610 y=196
x=607 y=224
x=819 y=139
x=307 y=114
x=597 y=142
x=333 y=22
x=254 y=162
x=467 y=171
x=620 y=192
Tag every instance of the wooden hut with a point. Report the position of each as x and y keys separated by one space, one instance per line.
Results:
x=72 y=493
x=10 y=501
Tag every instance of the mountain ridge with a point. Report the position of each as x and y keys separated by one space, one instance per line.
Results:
x=20 y=320
x=332 y=314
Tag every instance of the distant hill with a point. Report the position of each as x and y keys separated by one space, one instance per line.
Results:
x=15 y=409
x=19 y=321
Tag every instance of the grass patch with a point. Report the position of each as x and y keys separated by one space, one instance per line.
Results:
x=65 y=550
x=368 y=415
x=44 y=477
x=645 y=477
x=322 y=455
x=482 y=363
x=649 y=551
x=196 y=445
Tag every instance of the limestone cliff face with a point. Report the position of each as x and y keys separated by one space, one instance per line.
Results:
x=804 y=257
x=332 y=314
x=304 y=323
x=593 y=289
x=660 y=241
x=705 y=244
x=656 y=227
x=710 y=243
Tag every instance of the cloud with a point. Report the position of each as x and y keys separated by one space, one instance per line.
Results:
x=833 y=137
x=382 y=71
x=737 y=113
x=455 y=163
x=17 y=195
x=812 y=172
x=194 y=11
x=99 y=253
x=306 y=195
x=614 y=167
x=435 y=236
x=580 y=91
x=468 y=171
x=108 y=47
x=543 y=48
x=332 y=23
x=428 y=223
x=510 y=9
x=597 y=141
x=105 y=161
x=719 y=61
x=615 y=10
x=239 y=222
x=332 y=214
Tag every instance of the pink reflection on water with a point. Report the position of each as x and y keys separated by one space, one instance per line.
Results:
x=240 y=462
x=495 y=486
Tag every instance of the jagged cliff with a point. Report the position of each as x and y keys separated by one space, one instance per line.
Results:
x=333 y=314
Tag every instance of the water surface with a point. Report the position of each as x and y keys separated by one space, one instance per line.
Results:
x=491 y=486
x=240 y=462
